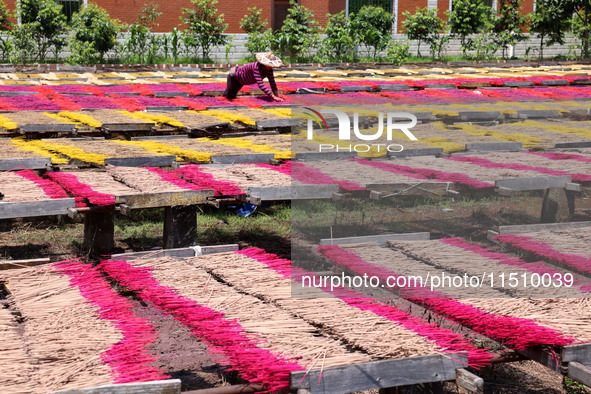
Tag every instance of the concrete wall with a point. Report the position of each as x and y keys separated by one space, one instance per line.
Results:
x=453 y=48
x=239 y=52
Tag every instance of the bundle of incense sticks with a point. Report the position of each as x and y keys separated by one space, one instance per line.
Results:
x=457 y=255
x=129 y=359
x=17 y=367
x=562 y=156
x=535 y=267
x=260 y=341
x=426 y=173
x=16 y=188
x=194 y=173
x=344 y=313
x=77 y=188
x=150 y=180
x=578 y=262
x=514 y=331
x=61 y=330
x=517 y=166
x=245 y=175
x=50 y=188
x=80 y=330
x=306 y=174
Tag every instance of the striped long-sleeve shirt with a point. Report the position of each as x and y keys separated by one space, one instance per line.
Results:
x=252 y=73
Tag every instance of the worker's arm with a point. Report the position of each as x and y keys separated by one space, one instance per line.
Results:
x=273 y=85
x=259 y=80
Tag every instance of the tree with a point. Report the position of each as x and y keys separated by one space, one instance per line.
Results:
x=206 y=28
x=95 y=33
x=6 y=25
x=373 y=26
x=259 y=37
x=549 y=21
x=252 y=22
x=581 y=9
x=423 y=25
x=46 y=23
x=341 y=38
x=508 y=25
x=468 y=17
x=299 y=33
x=149 y=16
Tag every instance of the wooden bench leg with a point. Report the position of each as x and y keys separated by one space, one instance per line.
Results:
x=99 y=231
x=180 y=226
x=558 y=206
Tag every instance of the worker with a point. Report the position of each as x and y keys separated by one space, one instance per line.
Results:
x=252 y=73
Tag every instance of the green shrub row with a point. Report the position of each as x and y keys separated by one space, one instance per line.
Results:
x=44 y=33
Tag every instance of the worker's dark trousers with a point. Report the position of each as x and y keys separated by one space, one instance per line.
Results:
x=233 y=86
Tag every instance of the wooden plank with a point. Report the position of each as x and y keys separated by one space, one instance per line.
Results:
x=580 y=373
x=316 y=156
x=357 y=88
x=286 y=193
x=47 y=128
x=518 y=84
x=579 y=353
x=582 y=144
x=170 y=386
x=425 y=116
x=190 y=251
x=479 y=115
x=310 y=90
x=154 y=161
x=495 y=147
x=417 y=152
x=490 y=235
x=582 y=81
x=378 y=374
x=534 y=183
x=543 y=357
x=123 y=127
x=11 y=210
x=17 y=93
x=381 y=239
x=160 y=137
x=164 y=199
x=195 y=76
x=122 y=93
x=394 y=87
x=166 y=108
x=15 y=264
x=243 y=159
x=274 y=123
x=177 y=252
x=555 y=82
x=533 y=228
x=538 y=113
x=441 y=86
x=468 y=381
x=410 y=188
x=36 y=163
x=297 y=75
x=213 y=249
x=171 y=94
